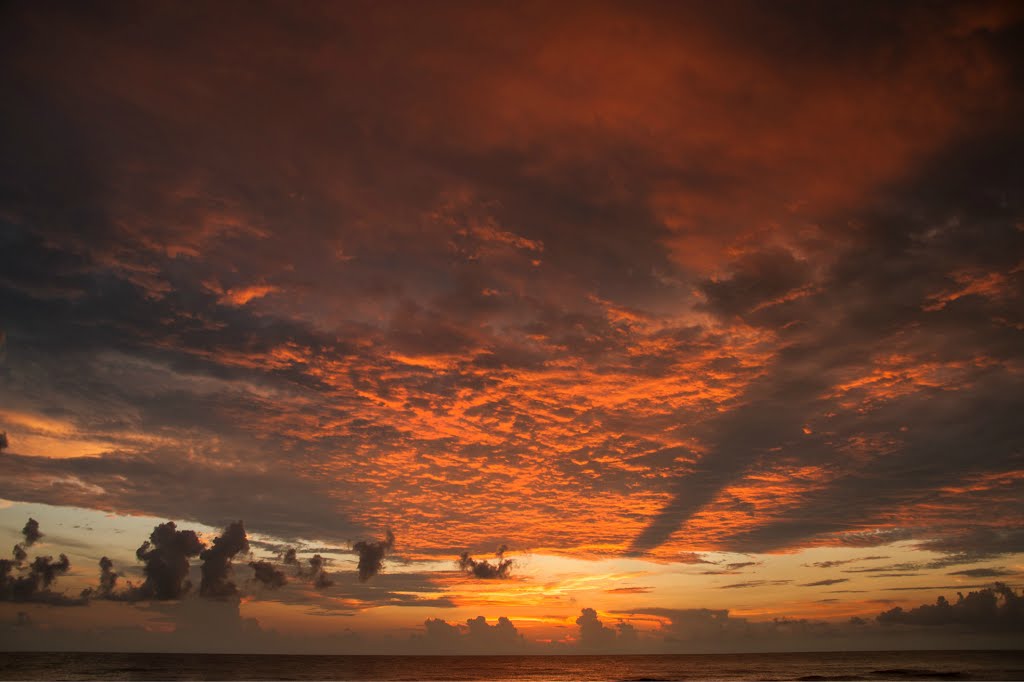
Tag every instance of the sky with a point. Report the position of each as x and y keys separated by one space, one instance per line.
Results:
x=511 y=327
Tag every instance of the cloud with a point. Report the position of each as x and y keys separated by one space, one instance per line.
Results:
x=996 y=608
x=688 y=623
x=757 y=278
x=216 y=566
x=629 y=590
x=595 y=635
x=371 y=555
x=268 y=575
x=827 y=581
x=755 y=342
x=31 y=532
x=318 y=573
x=842 y=562
x=43 y=571
x=984 y=572
x=476 y=636
x=485 y=570
x=978 y=542
x=753 y=583
x=31 y=583
x=107 y=583
x=165 y=557
x=732 y=568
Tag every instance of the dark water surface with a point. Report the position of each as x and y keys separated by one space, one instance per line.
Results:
x=922 y=665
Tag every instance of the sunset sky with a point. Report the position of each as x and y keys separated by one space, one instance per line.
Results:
x=711 y=314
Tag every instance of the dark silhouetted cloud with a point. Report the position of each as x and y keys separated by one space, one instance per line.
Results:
x=268 y=575
x=318 y=572
x=371 y=555
x=595 y=635
x=165 y=557
x=31 y=583
x=216 y=567
x=476 y=636
x=481 y=568
x=107 y=583
x=996 y=608
x=31 y=532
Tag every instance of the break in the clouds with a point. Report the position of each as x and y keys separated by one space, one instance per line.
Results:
x=666 y=283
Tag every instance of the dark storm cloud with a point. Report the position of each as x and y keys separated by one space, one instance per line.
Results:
x=997 y=608
x=371 y=555
x=216 y=567
x=290 y=557
x=165 y=556
x=484 y=569
x=268 y=575
x=3 y=440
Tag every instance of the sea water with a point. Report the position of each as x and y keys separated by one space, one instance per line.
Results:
x=914 y=665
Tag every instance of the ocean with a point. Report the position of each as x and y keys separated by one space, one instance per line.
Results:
x=901 y=665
